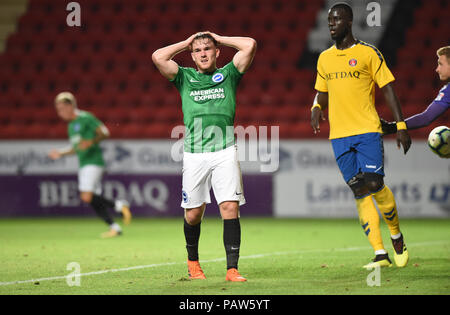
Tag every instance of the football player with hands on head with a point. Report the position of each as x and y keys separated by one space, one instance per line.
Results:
x=85 y=133
x=208 y=96
x=346 y=76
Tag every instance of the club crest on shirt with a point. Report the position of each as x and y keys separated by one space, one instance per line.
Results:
x=184 y=196
x=352 y=62
x=218 y=77
x=76 y=127
x=440 y=96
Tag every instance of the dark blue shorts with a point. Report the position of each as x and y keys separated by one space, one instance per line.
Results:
x=359 y=154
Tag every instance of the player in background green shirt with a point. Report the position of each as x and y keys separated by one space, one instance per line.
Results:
x=85 y=133
x=210 y=160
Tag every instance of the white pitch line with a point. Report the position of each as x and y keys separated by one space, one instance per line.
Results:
x=347 y=249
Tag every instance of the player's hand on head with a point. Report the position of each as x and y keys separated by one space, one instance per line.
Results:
x=403 y=140
x=190 y=39
x=214 y=35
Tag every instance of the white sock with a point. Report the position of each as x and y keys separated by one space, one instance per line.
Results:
x=119 y=204
x=396 y=236
x=380 y=252
x=115 y=227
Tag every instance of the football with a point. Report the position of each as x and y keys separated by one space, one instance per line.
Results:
x=438 y=141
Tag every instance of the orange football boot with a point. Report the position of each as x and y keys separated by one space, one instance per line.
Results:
x=194 y=270
x=234 y=276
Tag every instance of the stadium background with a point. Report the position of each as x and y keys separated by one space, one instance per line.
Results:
x=106 y=63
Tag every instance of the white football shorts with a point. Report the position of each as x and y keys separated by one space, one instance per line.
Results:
x=90 y=179
x=219 y=170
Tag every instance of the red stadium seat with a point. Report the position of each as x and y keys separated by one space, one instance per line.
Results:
x=141 y=115
x=304 y=130
x=129 y=130
x=244 y=114
x=56 y=131
x=36 y=130
x=6 y=115
x=157 y=130
x=13 y=130
x=167 y=114
x=107 y=62
x=288 y=113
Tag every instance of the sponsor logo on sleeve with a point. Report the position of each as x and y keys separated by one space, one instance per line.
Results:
x=440 y=96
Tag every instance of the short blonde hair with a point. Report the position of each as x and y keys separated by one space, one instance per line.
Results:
x=66 y=97
x=444 y=51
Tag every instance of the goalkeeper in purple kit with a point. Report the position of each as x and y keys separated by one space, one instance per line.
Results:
x=440 y=104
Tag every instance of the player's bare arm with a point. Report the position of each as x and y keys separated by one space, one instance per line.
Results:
x=403 y=138
x=246 y=47
x=320 y=104
x=101 y=133
x=56 y=154
x=162 y=58
x=436 y=108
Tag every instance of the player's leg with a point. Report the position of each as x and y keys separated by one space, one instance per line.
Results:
x=228 y=189
x=195 y=196
x=372 y=162
x=346 y=158
x=89 y=181
x=119 y=205
x=385 y=200
x=369 y=220
x=192 y=226
x=367 y=212
x=386 y=204
x=229 y=211
x=88 y=198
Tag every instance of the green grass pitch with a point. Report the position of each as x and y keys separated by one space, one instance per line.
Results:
x=278 y=256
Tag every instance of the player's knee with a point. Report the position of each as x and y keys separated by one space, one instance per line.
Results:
x=229 y=209
x=193 y=220
x=194 y=216
x=358 y=185
x=374 y=186
x=86 y=197
x=374 y=182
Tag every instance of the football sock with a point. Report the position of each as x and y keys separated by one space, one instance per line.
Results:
x=108 y=203
x=192 y=236
x=370 y=222
x=232 y=241
x=101 y=210
x=386 y=204
x=115 y=227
